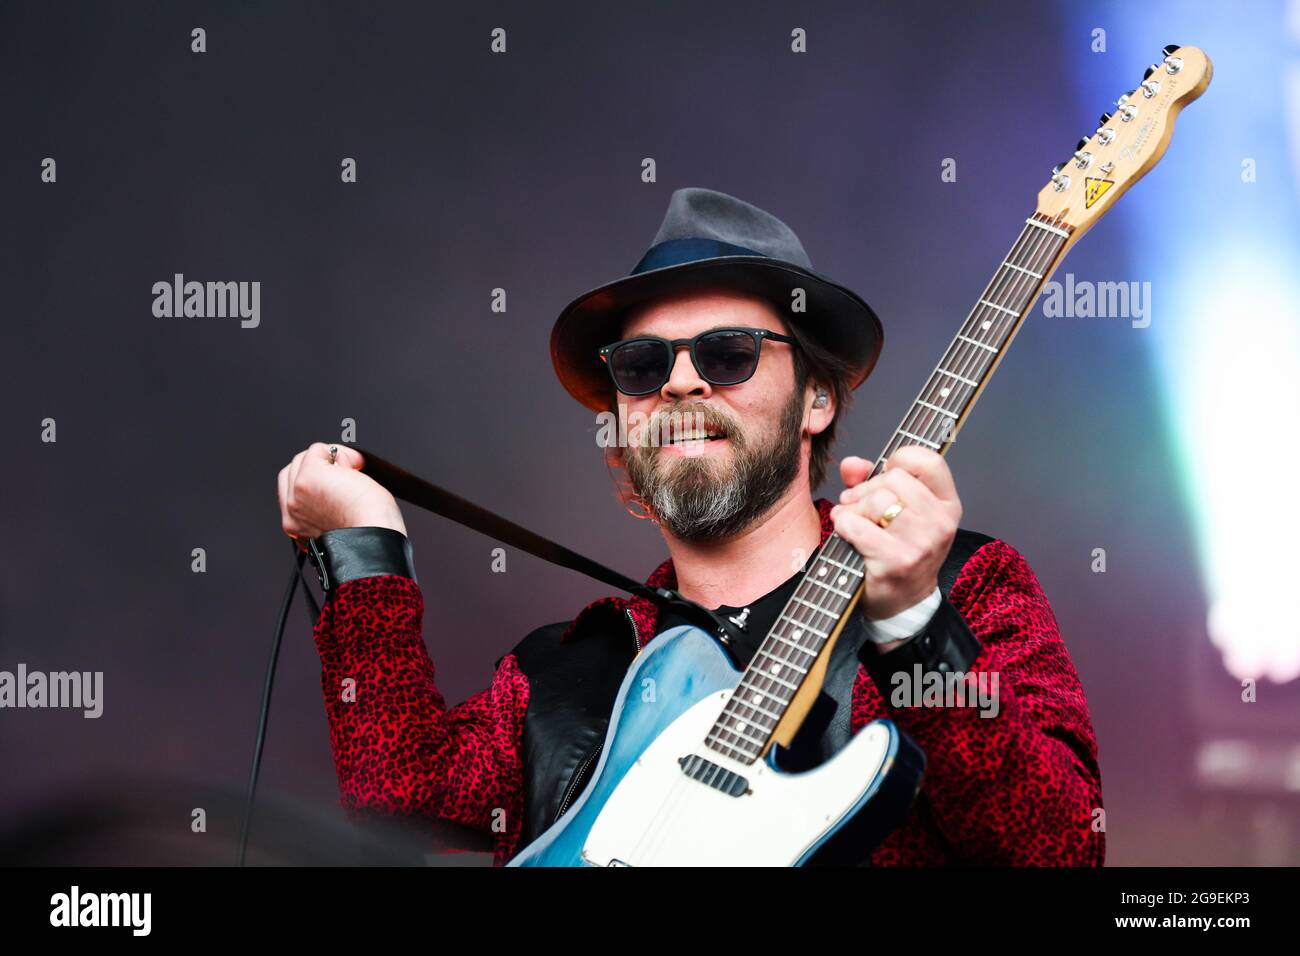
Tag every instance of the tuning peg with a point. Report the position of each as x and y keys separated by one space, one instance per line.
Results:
x=1105 y=118
x=1172 y=63
x=1151 y=69
x=1056 y=170
x=1080 y=144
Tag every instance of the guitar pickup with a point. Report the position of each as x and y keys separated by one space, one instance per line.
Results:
x=719 y=778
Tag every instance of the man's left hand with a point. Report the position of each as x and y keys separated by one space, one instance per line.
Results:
x=903 y=560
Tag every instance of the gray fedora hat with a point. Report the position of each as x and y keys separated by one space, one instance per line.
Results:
x=711 y=239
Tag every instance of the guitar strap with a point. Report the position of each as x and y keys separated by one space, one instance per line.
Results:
x=423 y=494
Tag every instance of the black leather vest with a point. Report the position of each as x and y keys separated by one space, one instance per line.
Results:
x=573 y=684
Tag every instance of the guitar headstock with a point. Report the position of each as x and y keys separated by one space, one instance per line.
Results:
x=1127 y=143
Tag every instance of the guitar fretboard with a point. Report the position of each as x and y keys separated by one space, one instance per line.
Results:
x=833 y=582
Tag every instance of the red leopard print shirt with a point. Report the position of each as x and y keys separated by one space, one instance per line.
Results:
x=1021 y=788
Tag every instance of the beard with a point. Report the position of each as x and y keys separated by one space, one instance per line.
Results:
x=717 y=497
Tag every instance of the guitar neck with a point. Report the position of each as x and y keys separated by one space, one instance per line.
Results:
x=785 y=674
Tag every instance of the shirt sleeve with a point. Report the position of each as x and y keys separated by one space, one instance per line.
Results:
x=398 y=748
x=1016 y=781
x=906 y=623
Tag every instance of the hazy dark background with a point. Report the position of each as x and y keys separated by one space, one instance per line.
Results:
x=521 y=171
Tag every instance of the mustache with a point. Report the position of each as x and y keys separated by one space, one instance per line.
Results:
x=710 y=417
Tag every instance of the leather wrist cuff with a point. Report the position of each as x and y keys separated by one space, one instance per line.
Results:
x=945 y=645
x=347 y=554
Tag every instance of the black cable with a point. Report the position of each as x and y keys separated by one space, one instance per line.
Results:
x=313 y=609
x=419 y=492
x=299 y=557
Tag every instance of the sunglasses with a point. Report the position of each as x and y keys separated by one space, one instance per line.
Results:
x=642 y=365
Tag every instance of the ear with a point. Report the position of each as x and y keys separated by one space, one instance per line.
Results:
x=819 y=408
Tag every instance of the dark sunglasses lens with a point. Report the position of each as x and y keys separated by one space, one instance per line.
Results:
x=639 y=367
x=727 y=357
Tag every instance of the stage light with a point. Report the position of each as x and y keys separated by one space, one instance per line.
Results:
x=1225 y=337
x=1231 y=370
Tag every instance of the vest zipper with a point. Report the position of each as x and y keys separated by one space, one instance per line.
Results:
x=636 y=637
x=573 y=787
x=577 y=779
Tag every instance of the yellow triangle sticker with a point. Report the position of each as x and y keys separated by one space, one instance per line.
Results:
x=1096 y=188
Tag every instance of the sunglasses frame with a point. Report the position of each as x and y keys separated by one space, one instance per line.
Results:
x=758 y=335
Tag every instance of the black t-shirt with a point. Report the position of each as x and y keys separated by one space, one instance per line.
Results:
x=757 y=623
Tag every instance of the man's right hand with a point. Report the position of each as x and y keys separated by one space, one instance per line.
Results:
x=316 y=496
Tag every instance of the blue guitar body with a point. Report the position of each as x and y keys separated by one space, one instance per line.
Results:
x=660 y=797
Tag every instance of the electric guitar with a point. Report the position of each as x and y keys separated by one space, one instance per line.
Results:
x=692 y=777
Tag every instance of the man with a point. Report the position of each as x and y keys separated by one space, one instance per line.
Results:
x=723 y=326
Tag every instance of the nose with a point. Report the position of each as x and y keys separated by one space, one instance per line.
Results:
x=684 y=379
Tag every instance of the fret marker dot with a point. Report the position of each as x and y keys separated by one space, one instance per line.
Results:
x=987 y=324
x=844 y=579
x=798 y=633
x=944 y=391
x=741 y=725
x=776 y=668
x=757 y=698
x=821 y=572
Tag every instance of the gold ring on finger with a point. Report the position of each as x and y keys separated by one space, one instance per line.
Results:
x=892 y=512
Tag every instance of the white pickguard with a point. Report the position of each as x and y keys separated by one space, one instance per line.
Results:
x=658 y=816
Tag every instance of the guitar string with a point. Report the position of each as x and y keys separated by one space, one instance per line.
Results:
x=999 y=291
x=1005 y=289
x=995 y=291
x=1022 y=288
x=968 y=358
